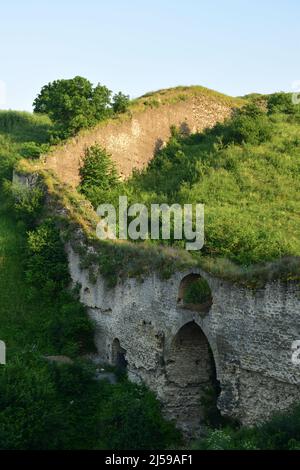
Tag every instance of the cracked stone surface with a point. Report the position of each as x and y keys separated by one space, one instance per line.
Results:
x=245 y=337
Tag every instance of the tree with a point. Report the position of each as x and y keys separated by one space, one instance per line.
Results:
x=120 y=102
x=98 y=174
x=73 y=104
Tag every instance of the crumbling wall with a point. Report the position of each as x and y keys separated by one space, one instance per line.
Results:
x=249 y=334
x=133 y=141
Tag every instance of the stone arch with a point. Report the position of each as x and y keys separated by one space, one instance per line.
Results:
x=194 y=293
x=191 y=376
x=118 y=355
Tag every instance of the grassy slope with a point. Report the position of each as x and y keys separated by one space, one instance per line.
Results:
x=48 y=406
x=20 y=313
x=251 y=192
x=13 y=306
x=251 y=196
x=180 y=93
x=22 y=126
x=16 y=129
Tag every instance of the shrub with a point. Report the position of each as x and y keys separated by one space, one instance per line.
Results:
x=120 y=103
x=31 y=416
x=282 y=103
x=249 y=125
x=59 y=406
x=68 y=328
x=26 y=201
x=197 y=292
x=131 y=419
x=97 y=175
x=46 y=263
x=8 y=157
x=21 y=126
x=282 y=432
x=33 y=150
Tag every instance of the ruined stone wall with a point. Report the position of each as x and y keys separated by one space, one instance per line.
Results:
x=248 y=332
x=132 y=142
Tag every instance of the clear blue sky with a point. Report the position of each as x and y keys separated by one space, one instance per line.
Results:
x=236 y=47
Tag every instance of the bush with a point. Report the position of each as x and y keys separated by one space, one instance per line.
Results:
x=26 y=201
x=47 y=267
x=282 y=103
x=131 y=419
x=8 y=157
x=33 y=150
x=22 y=126
x=197 y=292
x=282 y=432
x=59 y=406
x=250 y=125
x=120 y=103
x=97 y=175
x=31 y=416
x=68 y=328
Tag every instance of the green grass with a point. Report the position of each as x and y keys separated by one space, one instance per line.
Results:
x=18 y=131
x=13 y=306
x=22 y=126
x=251 y=191
x=30 y=319
x=247 y=174
x=25 y=321
x=181 y=93
x=16 y=312
x=45 y=405
x=250 y=188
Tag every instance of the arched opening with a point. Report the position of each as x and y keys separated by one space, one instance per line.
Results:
x=192 y=385
x=194 y=293
x=118 y=355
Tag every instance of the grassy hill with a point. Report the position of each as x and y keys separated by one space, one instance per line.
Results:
x=22 y=134
x=247 y=173
x=251 y=189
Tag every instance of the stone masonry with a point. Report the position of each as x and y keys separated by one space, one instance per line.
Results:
x=244 y=339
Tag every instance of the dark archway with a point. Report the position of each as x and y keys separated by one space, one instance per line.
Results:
x=192 y=385
x=118 y=355
x=194 y=293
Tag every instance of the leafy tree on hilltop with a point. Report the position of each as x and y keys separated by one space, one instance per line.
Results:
x=120 y=102
x=76 y=104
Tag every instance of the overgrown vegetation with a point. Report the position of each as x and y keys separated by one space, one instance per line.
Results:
x=246 y=172
x=282 y=432
x=24 y=200
x=250 y=191
x=44 y=404
x=20 y=131
x=197 y=292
